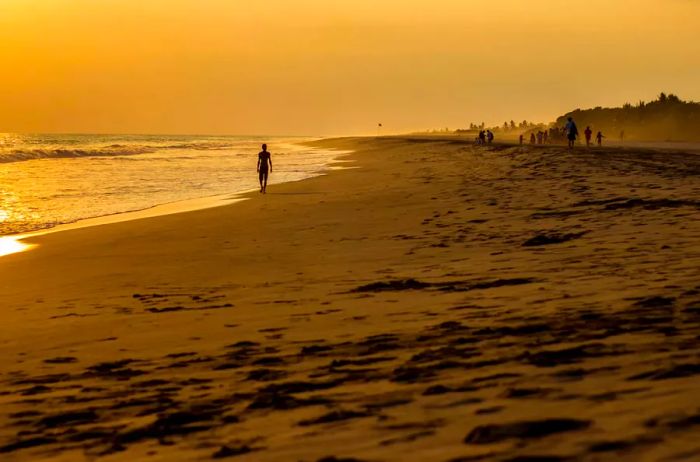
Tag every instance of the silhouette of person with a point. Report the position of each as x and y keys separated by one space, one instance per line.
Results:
x=588 y=134
x=599 y=138
x=539 y=137
x=571 y=131
x=545 y=137
x=482 y=137
x=264 y=167
x=489 y=136
x=532 y=138
x=521 y=139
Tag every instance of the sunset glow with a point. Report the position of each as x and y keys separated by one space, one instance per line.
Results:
x=319 y=67
x=9 y=245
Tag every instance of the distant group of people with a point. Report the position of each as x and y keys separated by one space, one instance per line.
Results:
x=548 y=136
x=572 y=134
x=485 y=137
x=569 y=133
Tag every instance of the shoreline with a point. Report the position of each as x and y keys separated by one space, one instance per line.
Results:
x=440 y=302
x=14 y=243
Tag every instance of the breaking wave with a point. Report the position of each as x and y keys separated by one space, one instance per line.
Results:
x=19 y=155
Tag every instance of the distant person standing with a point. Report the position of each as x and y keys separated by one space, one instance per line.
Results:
x=588 y=134
x=264 y=167
x=533 y=140
x=545 y=137
x=571 y=131
x=489 y=136
x=599 y=138
x=539 y=137
x=521 y=139
x=482 y=137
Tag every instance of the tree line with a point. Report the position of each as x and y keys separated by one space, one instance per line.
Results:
x=668 y=118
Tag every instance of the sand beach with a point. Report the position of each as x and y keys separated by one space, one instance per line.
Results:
x=438 y=301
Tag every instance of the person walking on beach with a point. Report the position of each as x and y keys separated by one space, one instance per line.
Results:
x=599 y=138
x=588 y=134
x=264 y=167
x=571 y=132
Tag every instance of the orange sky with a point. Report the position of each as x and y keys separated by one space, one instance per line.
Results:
x=318 y=67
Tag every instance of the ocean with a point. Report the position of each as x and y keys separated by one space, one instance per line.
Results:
x=50 y=180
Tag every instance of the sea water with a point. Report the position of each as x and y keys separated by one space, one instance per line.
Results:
x=49 y=180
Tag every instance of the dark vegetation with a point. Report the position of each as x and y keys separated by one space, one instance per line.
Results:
x=668 y=118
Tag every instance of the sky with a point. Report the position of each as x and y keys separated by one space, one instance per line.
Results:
x=333 y=67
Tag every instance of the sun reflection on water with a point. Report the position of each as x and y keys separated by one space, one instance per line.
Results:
x=9 y=245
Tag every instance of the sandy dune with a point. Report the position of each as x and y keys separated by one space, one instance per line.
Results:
x=442 y=302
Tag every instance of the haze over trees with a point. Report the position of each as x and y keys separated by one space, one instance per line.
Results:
x=668 y=118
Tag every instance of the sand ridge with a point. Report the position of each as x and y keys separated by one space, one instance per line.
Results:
x=441 y=302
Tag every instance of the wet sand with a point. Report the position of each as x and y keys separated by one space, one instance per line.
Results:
x=442 y=302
